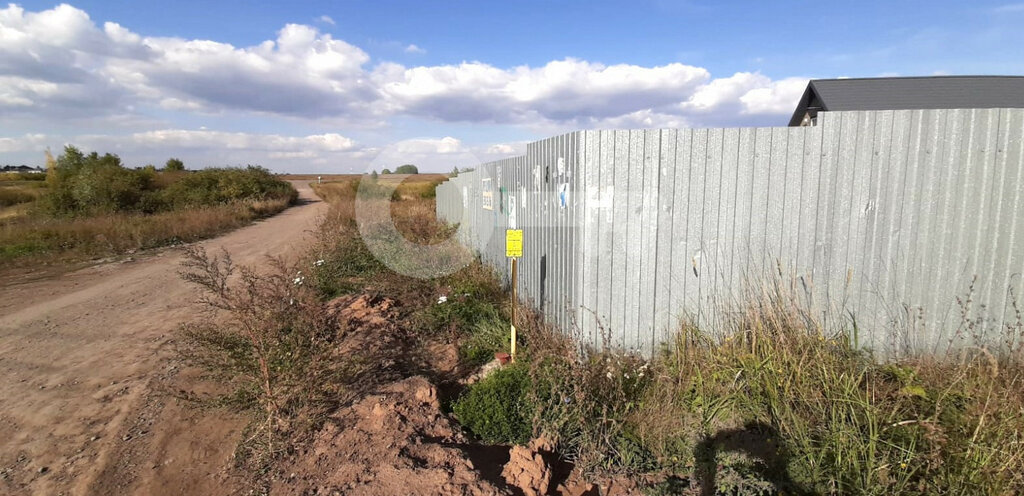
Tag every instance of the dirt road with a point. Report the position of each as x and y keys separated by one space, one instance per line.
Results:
x=89 y=379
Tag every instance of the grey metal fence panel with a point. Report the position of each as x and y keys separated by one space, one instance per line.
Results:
x=662 y=319
x=884 y=217
x=1010 y=222
x=681 y=227
x=605 y=232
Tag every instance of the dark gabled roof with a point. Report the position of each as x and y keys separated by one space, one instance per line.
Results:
x=897 y=93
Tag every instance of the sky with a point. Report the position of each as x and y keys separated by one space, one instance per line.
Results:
x=346 y=86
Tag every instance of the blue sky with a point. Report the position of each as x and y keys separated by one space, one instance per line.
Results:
x=327 y=86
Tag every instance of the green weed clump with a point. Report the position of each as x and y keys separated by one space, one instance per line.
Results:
x=497 y=409
x=488 y=335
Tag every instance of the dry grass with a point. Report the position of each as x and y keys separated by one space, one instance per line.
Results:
x=771 y=402
x=31 y=240
x=93 y=207
x=289 y=364
x=15 y=192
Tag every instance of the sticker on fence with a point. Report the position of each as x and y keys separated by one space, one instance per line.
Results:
x=512 y=212
x=487 y=197
x=514 y=243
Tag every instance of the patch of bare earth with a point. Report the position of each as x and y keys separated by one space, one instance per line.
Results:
x=395 y=441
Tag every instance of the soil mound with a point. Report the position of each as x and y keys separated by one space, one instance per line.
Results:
x=396 y=442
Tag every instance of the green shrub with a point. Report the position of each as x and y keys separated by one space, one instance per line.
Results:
x=174 y=164
x=217 y=186
x=83 y=185
x=496 y=409
x=91 y=184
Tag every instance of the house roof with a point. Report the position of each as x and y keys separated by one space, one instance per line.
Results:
x=897 y=93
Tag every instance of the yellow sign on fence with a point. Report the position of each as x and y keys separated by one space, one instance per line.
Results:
x=514 y=243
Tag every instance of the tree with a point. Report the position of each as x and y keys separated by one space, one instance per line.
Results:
x=386 y=171
x=407 y=169
x=174 y=164
x=373 y=176
x=455 y=172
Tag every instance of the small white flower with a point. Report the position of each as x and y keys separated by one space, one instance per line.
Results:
x=626 y=375
x=608 y=375
x=298 y=280
x=318 y=263
x=442 y=299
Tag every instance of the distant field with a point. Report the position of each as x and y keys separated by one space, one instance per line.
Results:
x=413 y=186
x=312 y=177
x=380 y=177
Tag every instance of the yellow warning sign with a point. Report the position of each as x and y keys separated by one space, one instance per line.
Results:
x=514 y=243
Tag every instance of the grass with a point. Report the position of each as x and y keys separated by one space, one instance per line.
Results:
x=771 y=403
x=287 y=369
x=16 y=194
x=89 y=206
x=30 y=239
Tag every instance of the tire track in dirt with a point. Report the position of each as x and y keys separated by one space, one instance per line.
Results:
x=87 y=364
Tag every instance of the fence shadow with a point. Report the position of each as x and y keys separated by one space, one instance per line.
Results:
x=757 y=440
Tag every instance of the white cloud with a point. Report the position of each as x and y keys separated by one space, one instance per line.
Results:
x=501 y=149
x=59 y=66
x=430 y=145
x=1009 y=8
x=776 y=97
x=189 y=139
x=59 y=61
x=326 y=19
x=559 y=91
x=28 y=142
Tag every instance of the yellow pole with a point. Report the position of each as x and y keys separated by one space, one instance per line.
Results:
x=513 y=340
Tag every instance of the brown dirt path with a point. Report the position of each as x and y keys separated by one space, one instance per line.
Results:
x=88 y=374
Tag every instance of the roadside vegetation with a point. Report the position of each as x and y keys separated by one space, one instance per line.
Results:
x=285 y=351
x=770 y=402
x=90 y=205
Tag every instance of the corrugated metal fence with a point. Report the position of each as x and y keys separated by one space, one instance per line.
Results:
x=885 y=216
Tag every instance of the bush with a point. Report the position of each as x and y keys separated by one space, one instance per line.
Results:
x=496 y=408
x=217 y=186
x=174 y=164
x=407 y=169
x=91 y=184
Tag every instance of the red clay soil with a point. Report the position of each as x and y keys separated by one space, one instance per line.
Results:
x=394 y=442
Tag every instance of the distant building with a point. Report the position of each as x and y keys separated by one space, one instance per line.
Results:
x=900 y=93
x=22 y=168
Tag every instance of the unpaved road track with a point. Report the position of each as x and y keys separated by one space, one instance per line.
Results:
x=89 y=377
